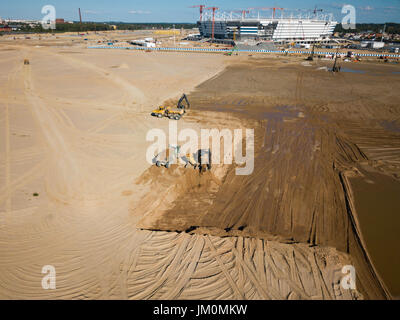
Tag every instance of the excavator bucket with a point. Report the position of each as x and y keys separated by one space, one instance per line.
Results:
x=183 y=102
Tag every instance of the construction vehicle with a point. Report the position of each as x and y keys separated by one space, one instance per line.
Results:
x=168 y=112
x=311 y=56
x=204 y=159
x=180 y=103
x=230 y=53
x=189 y=159
x=159 y=113
x=201 y=159
x=26 y=61
x=335 y=67
x=167 y=157
x=174 y=114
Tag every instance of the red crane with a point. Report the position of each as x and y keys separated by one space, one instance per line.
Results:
x=273 y=10
x=213 y=19
x=201 y=6
x=243 y=12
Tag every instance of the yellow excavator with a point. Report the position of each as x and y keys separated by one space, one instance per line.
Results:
x=168 y=112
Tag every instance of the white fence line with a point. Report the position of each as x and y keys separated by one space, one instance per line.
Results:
x=241 y=50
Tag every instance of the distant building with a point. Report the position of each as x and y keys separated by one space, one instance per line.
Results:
x=15 y=27
x=60 y=20
x=372 y=44
x=5 y=28
x=307 y=29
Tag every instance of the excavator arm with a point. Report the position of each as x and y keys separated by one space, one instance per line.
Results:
x=180 y=103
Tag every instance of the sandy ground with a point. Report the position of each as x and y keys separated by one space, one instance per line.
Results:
x=309 y=125
x=73 y=125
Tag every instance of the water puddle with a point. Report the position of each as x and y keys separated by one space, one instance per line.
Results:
x=377 y=201
x=392 y=126
x=352 y=70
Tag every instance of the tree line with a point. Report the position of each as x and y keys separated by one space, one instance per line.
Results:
x=391 y=28
x=98 y=26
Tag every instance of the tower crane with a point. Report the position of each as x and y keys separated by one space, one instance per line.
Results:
x=201 y=7
x=213 y=19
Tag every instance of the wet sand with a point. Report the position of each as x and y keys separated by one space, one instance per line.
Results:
x=378 y=208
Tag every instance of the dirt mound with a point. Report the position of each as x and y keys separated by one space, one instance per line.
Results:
x=173 y=187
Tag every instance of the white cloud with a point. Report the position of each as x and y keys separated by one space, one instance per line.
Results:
x=139 y=12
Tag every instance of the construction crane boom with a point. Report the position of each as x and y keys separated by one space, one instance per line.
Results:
x=243 y=12
x=201 y=7
x=268 y=8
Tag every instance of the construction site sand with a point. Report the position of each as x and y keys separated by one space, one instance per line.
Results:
x=74 y=133
x=304 y=152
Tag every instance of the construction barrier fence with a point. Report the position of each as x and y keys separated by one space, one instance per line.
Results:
x=225 y=50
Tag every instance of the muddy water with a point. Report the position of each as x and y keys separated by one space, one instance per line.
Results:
x=377 y=201
x=352 y=70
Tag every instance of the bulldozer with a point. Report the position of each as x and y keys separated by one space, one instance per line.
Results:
x=168 y=112
x=204 y=159
x=201 y=160
x=167 y=157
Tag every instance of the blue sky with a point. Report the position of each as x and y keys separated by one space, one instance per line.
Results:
x=179 y=11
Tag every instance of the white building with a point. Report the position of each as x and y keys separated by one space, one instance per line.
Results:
x=372 y=44
x=300 y=29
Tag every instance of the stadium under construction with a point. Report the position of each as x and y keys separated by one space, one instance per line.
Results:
x=302 y=29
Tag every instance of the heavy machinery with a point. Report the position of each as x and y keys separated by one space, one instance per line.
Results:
x=159 y=113
x=201 y=159
x=174 y=114
x=168 y=156
x=230 y=53
x=163 y=111
x=311 y=56
x=168 y=112
x=335 y=67
x=26 y=62
x=190 y=160
x=204 y=159
x=181 y=104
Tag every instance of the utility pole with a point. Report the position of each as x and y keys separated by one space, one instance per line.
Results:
x=80 y=19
